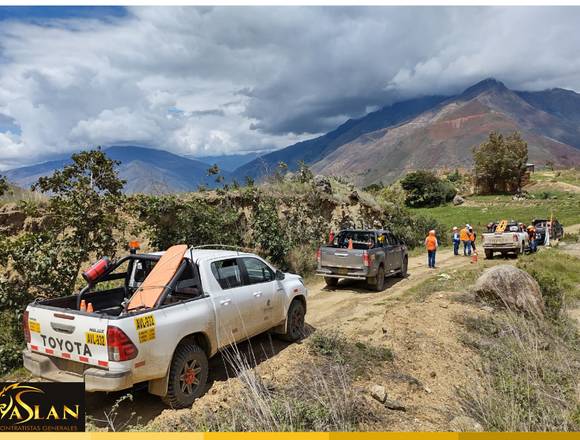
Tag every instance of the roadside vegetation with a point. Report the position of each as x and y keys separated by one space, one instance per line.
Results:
x=319 y=395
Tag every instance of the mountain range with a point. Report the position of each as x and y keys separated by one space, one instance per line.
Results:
x=145 y=170
x=438 y=132
x=430 y=132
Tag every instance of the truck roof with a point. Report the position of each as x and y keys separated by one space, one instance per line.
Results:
x=206 y=254
x=378 y=231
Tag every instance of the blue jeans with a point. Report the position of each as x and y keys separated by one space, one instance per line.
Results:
x=456 y=247
x=533 y=247
x=431 y=258
x=467 y=247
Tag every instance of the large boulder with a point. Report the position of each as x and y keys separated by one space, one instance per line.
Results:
x=458 y=200
x=512 y=287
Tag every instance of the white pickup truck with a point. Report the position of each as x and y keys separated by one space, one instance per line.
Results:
x=213 y=298
x=507 y=237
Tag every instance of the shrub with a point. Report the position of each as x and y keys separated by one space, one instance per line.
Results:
x=170 y=220
x=425 y=189
x=302 y=259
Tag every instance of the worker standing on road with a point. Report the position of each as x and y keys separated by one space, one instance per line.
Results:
x=464 y=237
x=456 y=240
x=472 y=238
x=532 y=237
x=431 y=245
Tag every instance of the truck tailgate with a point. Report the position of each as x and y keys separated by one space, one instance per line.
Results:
x=342 y=258
x=75 y=336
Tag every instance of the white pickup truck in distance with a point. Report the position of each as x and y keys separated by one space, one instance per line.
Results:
x=168 y=314
x=508 y=237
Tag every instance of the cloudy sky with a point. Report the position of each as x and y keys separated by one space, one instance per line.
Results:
x=203 y=81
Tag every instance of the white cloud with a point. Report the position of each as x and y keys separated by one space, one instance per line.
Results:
x=217 y=80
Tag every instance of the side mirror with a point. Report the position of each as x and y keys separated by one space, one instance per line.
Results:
x=280 y=275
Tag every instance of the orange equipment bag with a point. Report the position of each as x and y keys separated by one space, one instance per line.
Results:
x=152 y=288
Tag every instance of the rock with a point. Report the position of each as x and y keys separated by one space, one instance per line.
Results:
x=464 y=424
x=323 y=184
x=11 y=218
x=394 y=405
x=354 y=197
x=458 y=200
x=378 y=392
x=511 y=287
x=444 y=306
x=433 y=374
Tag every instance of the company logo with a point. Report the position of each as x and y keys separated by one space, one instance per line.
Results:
x=40 y=406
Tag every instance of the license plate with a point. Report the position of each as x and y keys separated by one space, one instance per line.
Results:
x=95 y=338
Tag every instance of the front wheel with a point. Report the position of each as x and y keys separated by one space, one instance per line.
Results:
x=403 y=272
x=187 y=376
x=488 y=254
x=294 y=322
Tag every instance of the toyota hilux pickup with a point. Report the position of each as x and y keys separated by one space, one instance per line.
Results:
x=369 y=255
x=158 y=317
x=506 y=237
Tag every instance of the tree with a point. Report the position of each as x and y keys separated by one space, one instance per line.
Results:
x=83 y=207
x=423 y=188
x=214 y=170
x=500 y=163
x=304 y=174
x=4 y=187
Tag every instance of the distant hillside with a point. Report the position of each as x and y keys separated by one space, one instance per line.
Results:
x=438 y=132
x=229 y=162
x=443 y=137
x=314 y=150
x=146 y=170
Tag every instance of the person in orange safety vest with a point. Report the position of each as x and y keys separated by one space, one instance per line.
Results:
x=431 y=244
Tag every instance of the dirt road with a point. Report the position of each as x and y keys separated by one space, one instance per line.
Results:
x=359 y=314
x=327 y=306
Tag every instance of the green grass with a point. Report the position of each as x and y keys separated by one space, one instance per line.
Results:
x=481 y=210
x=564 y=268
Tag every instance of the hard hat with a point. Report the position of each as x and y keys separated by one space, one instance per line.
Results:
x=455 y=228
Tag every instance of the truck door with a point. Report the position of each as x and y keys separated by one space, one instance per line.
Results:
x=261 y=280
x=233 y=302
x=394 y=252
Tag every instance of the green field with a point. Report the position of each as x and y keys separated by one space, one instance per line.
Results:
x=548 y=199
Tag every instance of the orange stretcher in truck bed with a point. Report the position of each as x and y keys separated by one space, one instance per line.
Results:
x=159 y=277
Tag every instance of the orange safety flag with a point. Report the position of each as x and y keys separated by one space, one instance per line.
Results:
x=152 y=288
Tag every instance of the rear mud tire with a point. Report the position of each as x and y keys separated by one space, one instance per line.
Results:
x=379 y=283
x=187 y=376
x=488 y=254
x=331 y=282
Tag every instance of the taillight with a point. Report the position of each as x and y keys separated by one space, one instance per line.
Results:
x=25 y=326
x=318 y=253
x=515 y=237
x=366 y=259
x=119 y=346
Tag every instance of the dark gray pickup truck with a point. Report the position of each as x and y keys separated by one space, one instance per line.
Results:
x=369 y=255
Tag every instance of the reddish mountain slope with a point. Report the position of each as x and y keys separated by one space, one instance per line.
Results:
x=444 y=137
